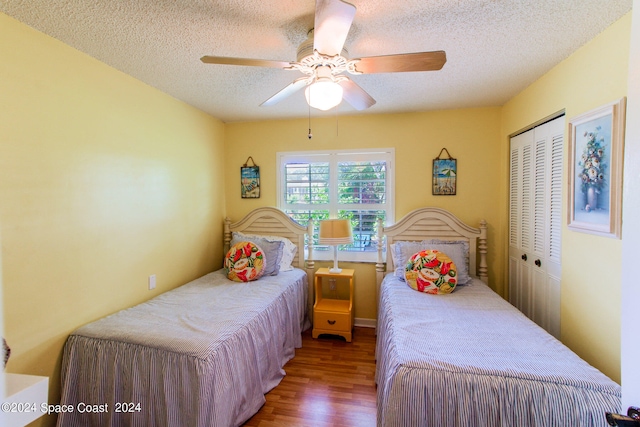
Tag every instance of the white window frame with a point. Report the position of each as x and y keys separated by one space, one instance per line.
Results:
x=333 y=157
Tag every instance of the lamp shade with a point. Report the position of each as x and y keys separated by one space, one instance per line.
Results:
x=324 y=94
x=335 y=232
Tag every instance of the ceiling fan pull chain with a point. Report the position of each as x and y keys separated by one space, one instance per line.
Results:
x=309 y=135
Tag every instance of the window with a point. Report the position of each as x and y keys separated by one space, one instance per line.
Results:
x=357 y=185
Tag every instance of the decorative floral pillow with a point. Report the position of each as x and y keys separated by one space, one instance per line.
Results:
x=273 y=251
x=432 y=272
x=244 y=262
x=457 y=250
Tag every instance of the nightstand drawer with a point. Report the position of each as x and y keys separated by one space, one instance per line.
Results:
x=332 y=321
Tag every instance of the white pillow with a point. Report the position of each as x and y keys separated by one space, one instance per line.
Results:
x=457 y=250
x=289 y=249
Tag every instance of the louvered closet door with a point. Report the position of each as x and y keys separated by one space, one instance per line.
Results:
x=520 y=244
x=535 y=223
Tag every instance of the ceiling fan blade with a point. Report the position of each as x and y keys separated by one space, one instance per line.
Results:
x=332 y=23
x=245 y=61
x=355 y=95
x=289 y=90
x=421 y=61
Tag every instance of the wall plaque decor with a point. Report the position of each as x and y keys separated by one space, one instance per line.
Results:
x=445 y=172
x=250 y=180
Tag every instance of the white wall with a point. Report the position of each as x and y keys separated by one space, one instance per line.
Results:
x=630 y=363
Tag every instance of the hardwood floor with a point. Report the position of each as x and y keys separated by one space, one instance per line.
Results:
x=329 y=382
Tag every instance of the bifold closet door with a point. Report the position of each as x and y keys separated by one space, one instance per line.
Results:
x=535 y=221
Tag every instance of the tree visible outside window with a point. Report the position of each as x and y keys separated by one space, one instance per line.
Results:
x=339 y=184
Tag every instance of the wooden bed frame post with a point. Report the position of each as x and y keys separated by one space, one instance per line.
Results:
x=227 y=236
x=310 y=261
x=482 y=248
x=310 y=267
x=380 y=265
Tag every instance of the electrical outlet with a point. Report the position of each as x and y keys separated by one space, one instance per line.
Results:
x=332 y=284
x=152 y=282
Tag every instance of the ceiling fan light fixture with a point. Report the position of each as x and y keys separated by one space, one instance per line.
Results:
x=322 y=58
x=323 y=94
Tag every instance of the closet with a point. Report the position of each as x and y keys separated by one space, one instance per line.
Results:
x=535 y=221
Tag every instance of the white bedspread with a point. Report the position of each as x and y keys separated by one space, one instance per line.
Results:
x=471 y=359
x=202 y=355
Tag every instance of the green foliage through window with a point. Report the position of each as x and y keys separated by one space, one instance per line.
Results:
x=327 y=185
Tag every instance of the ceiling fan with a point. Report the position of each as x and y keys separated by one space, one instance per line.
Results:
x=322 y=59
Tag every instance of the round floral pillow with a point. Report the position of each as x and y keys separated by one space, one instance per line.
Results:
x=432 y=272
x=244 y=262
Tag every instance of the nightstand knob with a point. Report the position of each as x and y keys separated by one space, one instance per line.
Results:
x=331 y=322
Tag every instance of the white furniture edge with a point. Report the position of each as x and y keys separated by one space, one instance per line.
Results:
x=23 y=398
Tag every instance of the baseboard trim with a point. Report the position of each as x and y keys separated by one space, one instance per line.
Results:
x=365 y=323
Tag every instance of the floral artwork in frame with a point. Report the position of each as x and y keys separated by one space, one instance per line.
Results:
x=445 y=172
x=596 y=140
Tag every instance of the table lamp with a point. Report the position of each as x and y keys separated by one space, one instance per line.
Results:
x=335 y=232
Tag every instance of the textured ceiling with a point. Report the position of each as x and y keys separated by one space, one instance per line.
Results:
x=495 y=48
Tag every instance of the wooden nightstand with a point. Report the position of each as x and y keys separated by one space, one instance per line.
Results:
x=333 y=316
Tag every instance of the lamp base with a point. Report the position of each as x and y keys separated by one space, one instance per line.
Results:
x=335 y=269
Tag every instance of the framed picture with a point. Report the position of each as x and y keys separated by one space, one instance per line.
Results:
x=250 y=180
x=596 y=141
x=445 y=172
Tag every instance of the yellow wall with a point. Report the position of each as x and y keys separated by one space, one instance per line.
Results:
x=104 y=181
x=470 y=135
x=590 y=296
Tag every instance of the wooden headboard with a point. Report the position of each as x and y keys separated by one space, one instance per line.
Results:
x=269 y=221
x=433 y=223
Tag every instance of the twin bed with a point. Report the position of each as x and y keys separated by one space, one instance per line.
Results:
x=205 y=353
x=469 y=358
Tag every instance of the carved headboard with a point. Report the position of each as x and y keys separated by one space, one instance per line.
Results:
x=433 y=223
x=269 y=221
